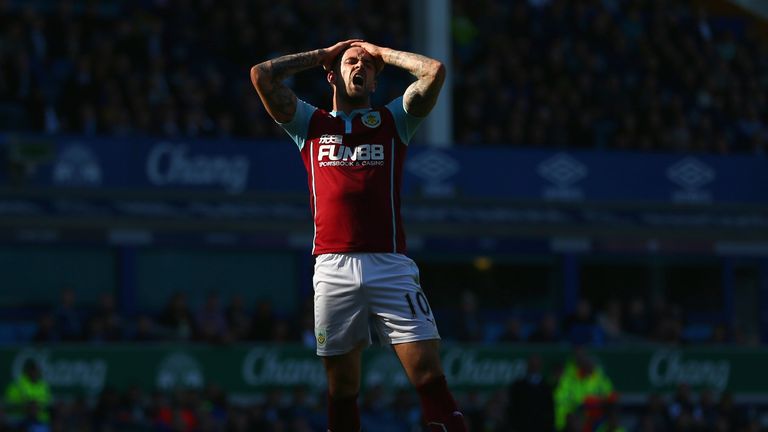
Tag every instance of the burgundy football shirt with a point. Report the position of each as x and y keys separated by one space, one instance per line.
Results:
x=354 y=169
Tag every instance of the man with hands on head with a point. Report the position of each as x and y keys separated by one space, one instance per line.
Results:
x=354 y=157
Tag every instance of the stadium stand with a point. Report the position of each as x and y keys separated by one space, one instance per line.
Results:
x=152 y=68
x=637 y=74
x=640 y=75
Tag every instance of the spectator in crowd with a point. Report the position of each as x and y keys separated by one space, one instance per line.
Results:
x=375 y=414
x=583 y=391
x=705 y=413
x=146 y=329
x=211 y=323
x=685 y=412
x=133 y=411
x=495 y=412
x=68 y=319
x=405 y=406
x=681 y=410
x=46 y=329
x=176 y=318
x=275 y=408
x=97 y=331
x=611 y=421
x=106 y=324
x=28 y=399
x=105 y=412
x=304 y=407
x=720 y=334
x=610 y=321
x=238 y=319
x=475 y=408
x=283 y=332
x=469 y=323
x=547 y=330
x=580 y=325
x=240 y=421
x=531 y=404
x=636 y=318
x=181 y=413
x=71 y=414
x=654 y=416
x=512 y=331
x=732 y=415
x=263 y=322
x=668 y=323
x=307 y=331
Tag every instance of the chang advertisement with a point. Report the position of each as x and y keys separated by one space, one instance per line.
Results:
x=174 y=165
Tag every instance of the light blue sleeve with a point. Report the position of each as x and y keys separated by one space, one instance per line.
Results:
x=406 y=123
x=298 y=127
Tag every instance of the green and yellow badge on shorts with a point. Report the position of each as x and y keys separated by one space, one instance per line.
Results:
x=321 y=335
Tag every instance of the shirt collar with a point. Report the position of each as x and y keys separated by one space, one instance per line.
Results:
x=351 y=114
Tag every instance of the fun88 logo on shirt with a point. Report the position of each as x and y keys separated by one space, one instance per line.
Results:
x=333 y=153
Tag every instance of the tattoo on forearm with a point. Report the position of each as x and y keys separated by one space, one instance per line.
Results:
x=293 y=63
x=421 y=95
x=414 y=63
x=281 y=99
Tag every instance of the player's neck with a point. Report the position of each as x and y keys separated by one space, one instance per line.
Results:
x=347 y=105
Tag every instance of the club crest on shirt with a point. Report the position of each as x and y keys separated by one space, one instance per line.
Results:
x=372 y=119
x=321 y=336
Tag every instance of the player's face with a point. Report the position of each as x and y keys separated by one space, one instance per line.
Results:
x=358 y=73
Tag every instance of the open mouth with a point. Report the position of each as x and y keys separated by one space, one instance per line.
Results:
x=358 y=80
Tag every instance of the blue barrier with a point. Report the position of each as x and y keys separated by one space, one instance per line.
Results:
x=237 y=167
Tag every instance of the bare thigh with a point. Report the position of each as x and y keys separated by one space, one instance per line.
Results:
x=420 y=359
x=343 y=372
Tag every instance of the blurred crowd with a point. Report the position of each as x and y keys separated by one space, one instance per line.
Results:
x=214 y=321
x=627 y=74
x=617 y=321
x=211 y=322
x=161 y=68
x=565 y=399
x=576 y=395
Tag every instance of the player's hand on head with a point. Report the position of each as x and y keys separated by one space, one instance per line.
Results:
x=330 y=53
x=374 y=50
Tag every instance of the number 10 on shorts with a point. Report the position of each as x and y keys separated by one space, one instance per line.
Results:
x=421 y=301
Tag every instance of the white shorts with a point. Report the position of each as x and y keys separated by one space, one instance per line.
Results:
x=350 y=288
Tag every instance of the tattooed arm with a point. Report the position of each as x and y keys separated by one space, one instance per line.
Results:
x=420 y=97
x=267 y=78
